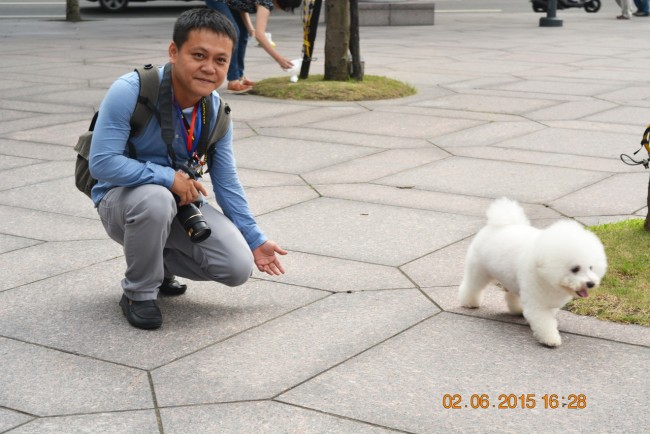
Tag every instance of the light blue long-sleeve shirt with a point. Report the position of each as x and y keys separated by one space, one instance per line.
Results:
x=111 y=166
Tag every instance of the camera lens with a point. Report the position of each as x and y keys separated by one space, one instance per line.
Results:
x=193 y=222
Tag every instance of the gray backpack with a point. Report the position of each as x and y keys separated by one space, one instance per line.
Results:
x=150 y=88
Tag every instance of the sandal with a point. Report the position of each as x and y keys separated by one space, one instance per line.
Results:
x=247 y=82
x=238 y=87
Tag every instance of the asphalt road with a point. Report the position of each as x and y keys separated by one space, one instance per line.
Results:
x=55 y=9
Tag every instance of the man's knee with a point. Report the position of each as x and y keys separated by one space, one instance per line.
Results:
x=236 y=273
x=152 y=203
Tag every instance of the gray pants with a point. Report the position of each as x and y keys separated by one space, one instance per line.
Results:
x=142 y=219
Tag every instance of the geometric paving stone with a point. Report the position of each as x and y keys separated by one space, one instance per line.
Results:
x=366 y=232
x=45 y=171
x=265 y=361
x=375 y=166
x=409 y=125
x=9 y=243
x=257 y=417
x=542 y=158
x=441 y=268
x=491 y=104
x=68 y=200
x=56 y=313
x=36 y=150
x=401 y=383
x=494 y=307
x=10 y=419
x=44 y=382
x=567 y=141
x=570 y=110
x=623 y=193
x=295 y=156
x=339 y=275
x=143 y=421
x=487 y=134
x=48 y=226
x=263 y=200
x=495 y=179
x=407 y=197
x=41 y=261
x=345 y=137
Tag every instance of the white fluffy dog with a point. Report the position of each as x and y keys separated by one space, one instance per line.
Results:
x=541 y=270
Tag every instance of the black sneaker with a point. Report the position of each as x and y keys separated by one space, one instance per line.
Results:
x=141 y=314
x=171 y=287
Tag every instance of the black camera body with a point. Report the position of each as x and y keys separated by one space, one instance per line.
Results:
x=190 y=216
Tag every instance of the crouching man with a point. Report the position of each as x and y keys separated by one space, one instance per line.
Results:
x=145 y=180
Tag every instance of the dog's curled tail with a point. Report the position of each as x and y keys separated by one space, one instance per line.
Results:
x=504 y=212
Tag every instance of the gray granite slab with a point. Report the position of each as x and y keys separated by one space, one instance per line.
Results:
x=38 y=172
x=570 y=141
x=492 y=104
x=345 y=137
x=401 y=383
x=566 y=87
x=58 y=312
x=143 y=421
x=397 y=124
x=309 y=115
x=570 y=110
x=8 y=162
x=9 y=243
x=44 y=382
x=407 y=197
x=494 y=307
x=487 y=134
x=50 y=152
x=569 y=161
x=61 y=134
x=443 y=267
x=294 y=156
x=22 y=128
x=262 y=178
x=375 y=166
x=266 y=361
x=339 y=275
x=10 y=419
x=247 y=109
x=47 y=226
x=263 y=200
x=364 y=231
x=625 y=115
x=623 y=193
x=40 y=261
x=494 y=179
x=258 y=417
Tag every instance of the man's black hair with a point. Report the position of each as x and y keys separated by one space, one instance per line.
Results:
x=202 y=18
x=288 y=5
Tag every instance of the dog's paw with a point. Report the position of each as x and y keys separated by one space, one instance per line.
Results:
x=550 y=341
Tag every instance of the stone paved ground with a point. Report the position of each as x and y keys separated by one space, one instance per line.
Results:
x=376 y=202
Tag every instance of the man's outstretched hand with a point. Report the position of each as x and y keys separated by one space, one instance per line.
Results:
x=266 y=260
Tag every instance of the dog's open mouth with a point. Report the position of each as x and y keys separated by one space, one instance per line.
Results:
x=582 y=293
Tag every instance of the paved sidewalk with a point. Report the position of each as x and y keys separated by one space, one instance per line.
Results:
x=376 y=202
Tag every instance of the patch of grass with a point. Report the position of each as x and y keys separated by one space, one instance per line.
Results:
x=624 y=293
x=315 y=88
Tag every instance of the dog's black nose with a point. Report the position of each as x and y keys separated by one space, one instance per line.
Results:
x=590 y=284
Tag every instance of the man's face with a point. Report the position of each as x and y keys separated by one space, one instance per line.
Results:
x=200 y=65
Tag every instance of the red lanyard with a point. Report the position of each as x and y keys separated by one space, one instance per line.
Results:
x=189 y=138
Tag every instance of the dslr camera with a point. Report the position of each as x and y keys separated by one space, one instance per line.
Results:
x=190 y=215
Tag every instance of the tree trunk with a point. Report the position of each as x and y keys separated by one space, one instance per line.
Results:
x=72 y=10
x=337 y=40
x=646 y=225
x=357 y=69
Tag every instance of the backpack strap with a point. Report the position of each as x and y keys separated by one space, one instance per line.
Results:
x=217 y=133
x=147 y=99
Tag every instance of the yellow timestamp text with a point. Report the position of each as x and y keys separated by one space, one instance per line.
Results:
x=572 y=401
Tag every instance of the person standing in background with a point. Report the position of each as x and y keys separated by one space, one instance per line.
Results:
x=643 y=8
x=237 y=11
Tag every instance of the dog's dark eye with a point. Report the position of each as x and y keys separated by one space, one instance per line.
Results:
x=575 y=269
